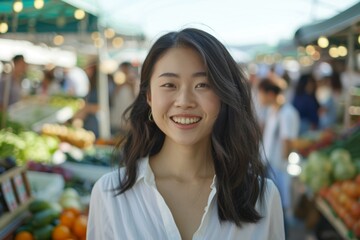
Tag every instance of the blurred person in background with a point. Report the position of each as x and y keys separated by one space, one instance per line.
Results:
x=88 y=114
x=281 y=128
x=76 y=82
x=260 y=110
x=122 y=97
x=10 y=84
x=49 y=84
x=306 y=103
x=329 y=94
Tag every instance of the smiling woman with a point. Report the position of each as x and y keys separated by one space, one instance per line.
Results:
x=192 y=165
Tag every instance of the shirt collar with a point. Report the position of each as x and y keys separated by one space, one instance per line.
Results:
x=145 y=172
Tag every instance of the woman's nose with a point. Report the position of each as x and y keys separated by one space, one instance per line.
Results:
x=185 y=99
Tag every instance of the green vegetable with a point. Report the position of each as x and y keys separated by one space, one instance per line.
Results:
x=43 y=233
x=39 y=205
x=357 y=165
x=26 y=227
x=340 y=155
x=344 y=171
x=44 y=217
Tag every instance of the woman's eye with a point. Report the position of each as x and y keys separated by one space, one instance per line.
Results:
x=168 y=85
x=202 y=85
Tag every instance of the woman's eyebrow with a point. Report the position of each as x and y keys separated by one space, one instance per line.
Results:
x=200 y=74
x=175 y=75
x=169 y=74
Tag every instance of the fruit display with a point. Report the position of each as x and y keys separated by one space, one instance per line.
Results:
x=13 y=125
x=313 y=141
x=320 y=170
x=76 y=136
x=27 y=145
x=55 y=220
x=343 y=198
x=336 y=162
x=67 y=101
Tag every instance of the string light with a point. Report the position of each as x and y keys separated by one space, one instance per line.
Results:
x=58 y=40
x=342 y=51
x=323 y=42
x=3 y=27
x=310 y=49
x=79 y=14
x=18 y=6
x=109 y=33
x=38 y=4
x=95 y=35
x=334 y=52
x=118 y=42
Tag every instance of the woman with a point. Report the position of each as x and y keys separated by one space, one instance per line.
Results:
x=306 y=103
x=192 y=166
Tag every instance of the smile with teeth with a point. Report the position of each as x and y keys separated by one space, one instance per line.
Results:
x=186 y=120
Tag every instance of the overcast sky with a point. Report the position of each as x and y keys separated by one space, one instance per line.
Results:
x=236 y=22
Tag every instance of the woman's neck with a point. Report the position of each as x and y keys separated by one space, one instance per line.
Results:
x=183 y=163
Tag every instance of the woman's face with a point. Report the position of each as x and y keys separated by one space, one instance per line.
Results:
x=184 y=105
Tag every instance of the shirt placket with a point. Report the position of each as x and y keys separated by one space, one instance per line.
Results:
x=200 y=232
x=171 y=229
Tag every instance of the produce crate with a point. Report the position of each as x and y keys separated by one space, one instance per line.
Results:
x=340 y=227
x=16 y=191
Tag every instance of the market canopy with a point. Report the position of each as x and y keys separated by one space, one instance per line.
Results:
x=54 y=16
x=335 y=28
x=59 y=17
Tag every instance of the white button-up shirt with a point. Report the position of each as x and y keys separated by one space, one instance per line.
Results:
x=141 y=213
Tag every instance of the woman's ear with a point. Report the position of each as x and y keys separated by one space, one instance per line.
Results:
x=148 y=97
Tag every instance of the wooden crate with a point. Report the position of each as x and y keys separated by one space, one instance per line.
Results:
x=16 y=190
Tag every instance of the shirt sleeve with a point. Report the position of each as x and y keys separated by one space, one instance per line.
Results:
x=98 y=226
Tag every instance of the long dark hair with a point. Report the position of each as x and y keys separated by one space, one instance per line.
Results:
x=235 y=138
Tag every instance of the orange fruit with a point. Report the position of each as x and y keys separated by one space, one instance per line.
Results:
x=61 y=232
x=76 y=211
x=24 y=235
x=67 y=218
x=72 y=237
x=80 y=225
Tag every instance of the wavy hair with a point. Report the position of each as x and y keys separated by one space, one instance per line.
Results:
x=235 y=137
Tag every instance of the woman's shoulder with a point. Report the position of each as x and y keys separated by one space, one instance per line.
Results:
x=270 y=195
x=270 y=187
x=108 y=181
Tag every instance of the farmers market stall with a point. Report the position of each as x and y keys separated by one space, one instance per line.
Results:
x=46 y=178
x=331 y=173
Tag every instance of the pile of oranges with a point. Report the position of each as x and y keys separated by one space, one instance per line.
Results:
x=72 y=226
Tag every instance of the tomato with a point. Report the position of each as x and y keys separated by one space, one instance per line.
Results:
x=349 y=221
x=355 y=210
x=352 y=190
x=357 y=179
x=356 y=228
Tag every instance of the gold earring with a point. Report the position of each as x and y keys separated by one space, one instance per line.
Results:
x=150 y=116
